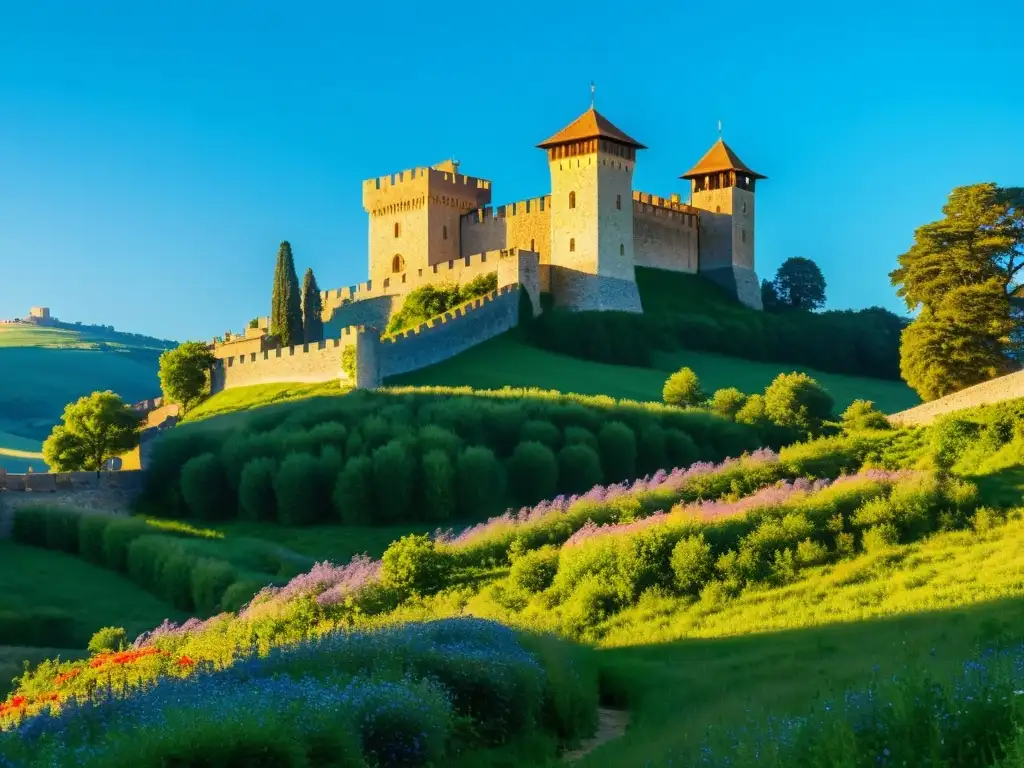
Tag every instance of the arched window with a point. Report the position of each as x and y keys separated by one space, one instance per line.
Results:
x=718 y=209
x=572 y=243
x=444 y=232
x=622 y=249
x=618 y=202
x=398 y=229
x=572 y=199
x=398 y=263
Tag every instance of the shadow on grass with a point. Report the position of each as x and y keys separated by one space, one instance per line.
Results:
x=1002 y=488
x=677 y=690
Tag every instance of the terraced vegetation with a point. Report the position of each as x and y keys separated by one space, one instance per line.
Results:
x=853 y=600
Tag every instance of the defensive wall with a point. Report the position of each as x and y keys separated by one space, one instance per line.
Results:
x=376 y=358
x=1008 y=387
x=665 y=233
x=445 y=336
x=111 y=492
x=524 y=225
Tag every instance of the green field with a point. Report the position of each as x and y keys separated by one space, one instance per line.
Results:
x=37 y=578
x=505 y=361
x=43 y=369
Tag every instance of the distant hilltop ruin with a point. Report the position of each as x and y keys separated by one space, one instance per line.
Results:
x=35 y=316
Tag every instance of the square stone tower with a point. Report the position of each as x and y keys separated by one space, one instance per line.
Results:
x=415 y=217
x=591 y=163
x=722 y=186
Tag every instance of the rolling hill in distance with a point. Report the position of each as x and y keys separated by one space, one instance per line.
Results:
x=43 y=368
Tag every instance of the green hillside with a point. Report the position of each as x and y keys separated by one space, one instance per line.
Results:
x=44 y=368
x=505 y=361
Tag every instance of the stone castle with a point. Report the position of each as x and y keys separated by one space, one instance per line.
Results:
x=579 y=245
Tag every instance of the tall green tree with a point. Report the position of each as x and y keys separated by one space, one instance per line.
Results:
x=961 y=273
x=286 y=301
x=185 y=374
x=799 y=284
x=312 y=322
x=93 y=429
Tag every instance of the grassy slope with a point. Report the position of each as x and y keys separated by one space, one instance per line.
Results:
x=43 y=369
x=506 y=361
x=37 y=578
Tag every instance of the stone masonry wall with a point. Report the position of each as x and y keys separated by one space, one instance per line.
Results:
x=1008 y=387
x=456 y=331
x=112 y=492
x=524 y=225
x=665 y=234
x=305 y=363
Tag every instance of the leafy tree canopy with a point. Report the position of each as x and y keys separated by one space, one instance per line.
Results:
x=312 y=322
x=432 y=300
x=93 y=429
x=185 y=373
x=798 y=284
x=682 y=389
x=286 y=301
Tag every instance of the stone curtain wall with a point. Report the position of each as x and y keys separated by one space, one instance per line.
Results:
x=303 y=363
x=664 y=233
x=524 y=225
x=111 y=492
x=454 y=332
x=1009 y=387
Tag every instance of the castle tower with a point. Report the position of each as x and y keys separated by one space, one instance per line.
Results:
x=415 y=217
x=722 y=186
x=591 y=163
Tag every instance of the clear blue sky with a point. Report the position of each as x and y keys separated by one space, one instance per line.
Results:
x=152 y=160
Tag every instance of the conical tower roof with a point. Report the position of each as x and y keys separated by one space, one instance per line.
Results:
x=590 y=125
x=720 y=158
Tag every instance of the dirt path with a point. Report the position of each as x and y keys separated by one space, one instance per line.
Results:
x=611 y=724
x=1006 y=387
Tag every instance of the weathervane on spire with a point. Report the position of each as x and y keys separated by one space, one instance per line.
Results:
x=591 y=94
x=719 y=129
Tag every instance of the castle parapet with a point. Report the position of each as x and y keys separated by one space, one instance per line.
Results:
x=441 y=184
x=487 y=214
x=669 y=208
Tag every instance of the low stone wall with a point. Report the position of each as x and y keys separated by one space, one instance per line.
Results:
x=1009 y=387
x=111 y=492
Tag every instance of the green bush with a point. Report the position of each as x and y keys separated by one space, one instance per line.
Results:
x=652 y=452
x=951 y=436
x=618 y=451
x=90 y=537
x=438 y=485
x=682 y=389
x=29 y=525
x=38 y=628
x=353 y=492
x=680 y=450
x=348 y=361
x=580 y=436
x=108 y=639
x=256 y=494
x=204 y=488
x=479 y=481
x=797 y=401
x=880 y=537
x=533 y=571
x=579 y=468
x=295 y=489
x=727 y=402
x=753 y=412
x=394 y=482
x=414 y=565
x=538 y=431
x=692 y=564
x=239 y=594
x=862 y=414
x=118 y=535
x=210 y=580
x=532 y=472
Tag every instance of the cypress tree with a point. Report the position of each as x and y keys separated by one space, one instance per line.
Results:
x=312 y=323
x=286 y=307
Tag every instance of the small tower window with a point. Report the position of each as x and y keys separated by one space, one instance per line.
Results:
x=744 y=207
x=743 y=235
x=572 y=244
x=618 y=202
x=718 y=209
x=532 y=249
x=398 y=229
x=572 y=199
x=398 y=263
x=622 y=249
x=444 y=232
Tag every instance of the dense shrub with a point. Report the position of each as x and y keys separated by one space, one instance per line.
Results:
x=413 y=565
x=429 y=301
x=691 y=563
x=365 y=454
x=256 y=494
x=118 y=535
x=862 y=414
x=90 y=537
x=797 y=401
x=579 y=468
x=682 y=389
x=108 y=639
x=532 y=471
x=204 y=488
x=39 y=628
x=727 y=402
x=533 y=571
x=29 y=525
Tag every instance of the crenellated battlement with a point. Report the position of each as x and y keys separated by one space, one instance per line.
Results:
x=292 y=351
x=486 y=214
x=383 y=183
x=645 y=204
x=455 y=313
x=415 y=188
